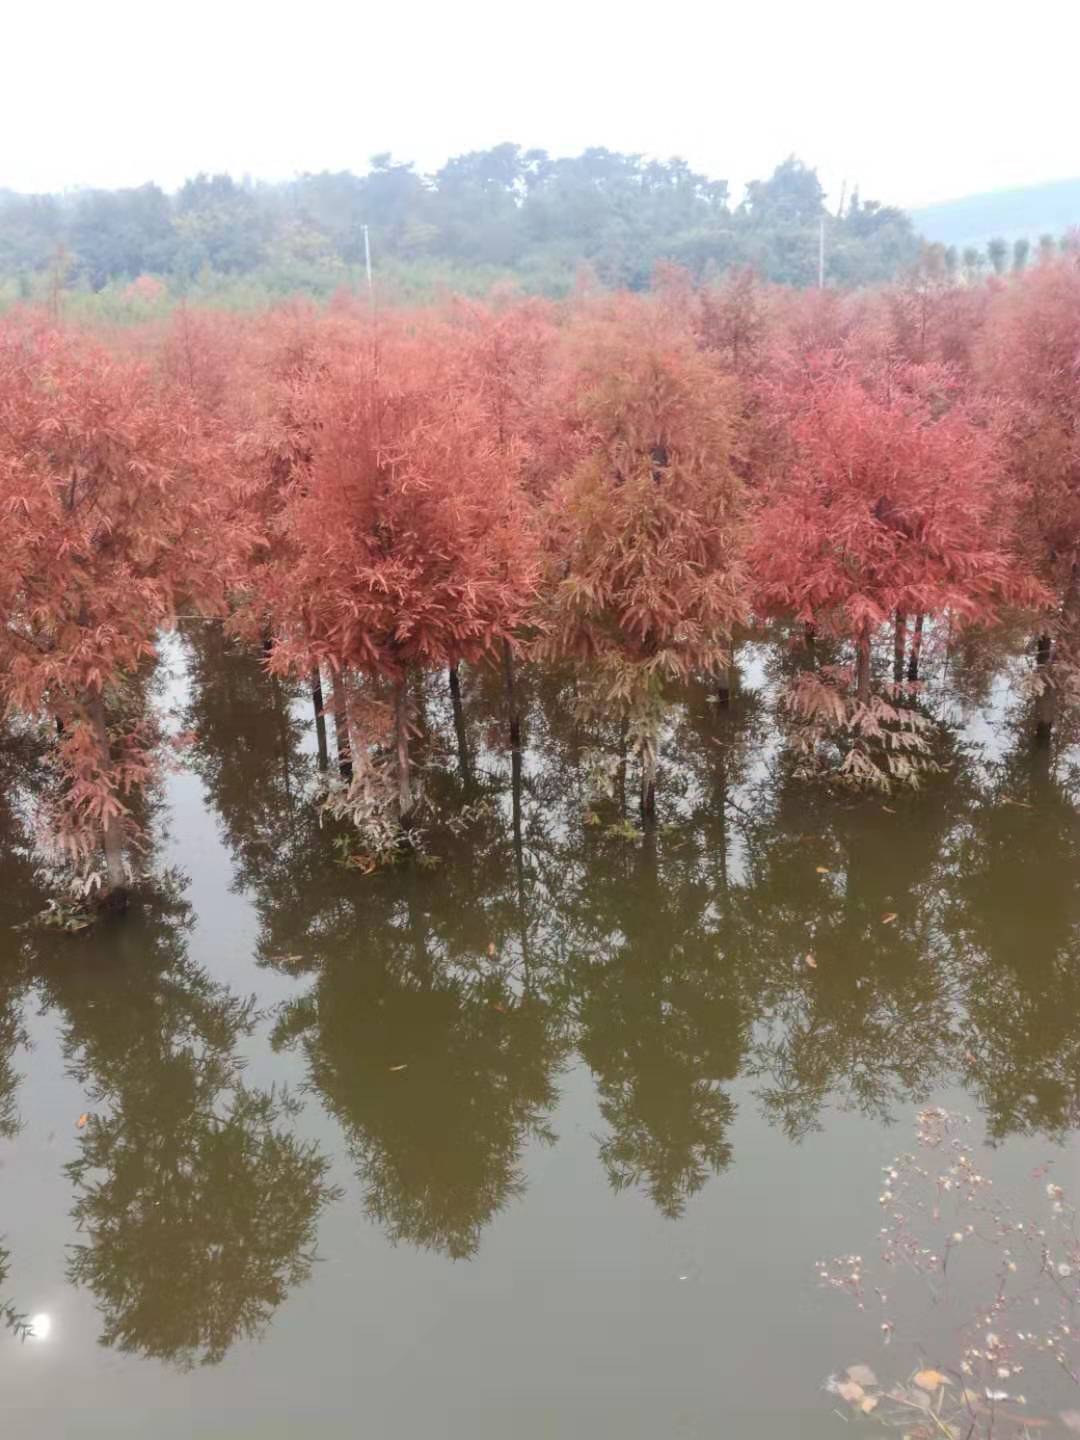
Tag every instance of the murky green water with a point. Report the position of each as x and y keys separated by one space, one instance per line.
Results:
x=543 y=1141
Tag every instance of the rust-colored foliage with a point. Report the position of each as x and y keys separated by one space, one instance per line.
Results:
x=102 y=486
x=887 y=495
x=617 y=481
x=646 y=577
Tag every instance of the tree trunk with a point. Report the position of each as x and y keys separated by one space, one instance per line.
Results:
x=624 y=735
x=899 y=647
x=320 y=718
x=116 y=896
x=723 y=682
x=515 y=793
x=519 y=868
x=341 y=724
x=283 y=737
x=511 y=696
x=1044 y=701
x=809 y=635
x=648 y=780
x=459 y=726
x=401 y=735
x=862 y=665
x=916 y=649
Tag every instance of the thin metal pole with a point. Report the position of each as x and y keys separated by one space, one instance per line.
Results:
x=367 y=261
x=821 y=255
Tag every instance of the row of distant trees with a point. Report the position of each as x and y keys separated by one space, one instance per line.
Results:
x=497 y=210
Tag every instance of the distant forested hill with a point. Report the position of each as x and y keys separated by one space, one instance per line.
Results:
x=1029 y=211
x=487 y=215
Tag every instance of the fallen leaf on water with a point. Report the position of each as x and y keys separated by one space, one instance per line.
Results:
x=861 y=1374
x=81 y=1121
x=889 y=918
x=930 y=1380
x=813 y=965
x=399 y=1067
x=888 y=809
x=850 y=1391
x=868 y=1403
x=491 y=948
x=823 y=870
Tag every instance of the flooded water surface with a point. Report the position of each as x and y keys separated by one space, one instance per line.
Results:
x=542 y=1135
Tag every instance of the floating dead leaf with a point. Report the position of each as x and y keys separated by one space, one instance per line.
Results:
x=398 y=1067
x=823 y=870
x=861 y=1374
x=813 y=966
x=491 y=949
x=868 y=1403
x=930 y=1380
x=888 y=810
x=80 y=1123
x=889 y=918
x=851 y=1391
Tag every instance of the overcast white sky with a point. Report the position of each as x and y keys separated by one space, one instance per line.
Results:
x=916 y=101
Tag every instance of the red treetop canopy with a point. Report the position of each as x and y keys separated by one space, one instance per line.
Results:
x=883 y=497
x=413 y=547
x=648 y=522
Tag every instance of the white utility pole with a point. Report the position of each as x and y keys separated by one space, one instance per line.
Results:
x=821 y=255
x=367 y=263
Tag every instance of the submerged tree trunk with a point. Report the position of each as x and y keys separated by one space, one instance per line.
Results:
x=899 y=647
x=112 y=830
x=519 y=869
x=401 y=739
x=724 y=681
x=648 y=779
x=624 y=735
x=320 y=718
x=515 y=793
x=862 y=665
x=283 y=737
x=341 y=724
x=916 y=648
x=1044 y=701
x=511 y=696
x=459 y=726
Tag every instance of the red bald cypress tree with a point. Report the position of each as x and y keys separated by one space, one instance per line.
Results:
x=646 y=579
x=102 y=474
